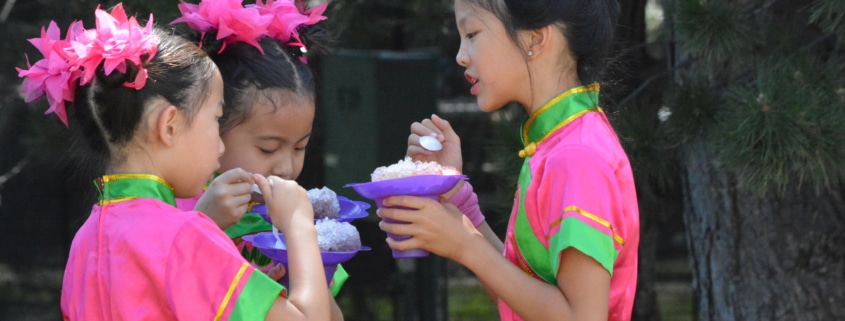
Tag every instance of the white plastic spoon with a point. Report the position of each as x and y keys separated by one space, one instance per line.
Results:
x=430 y=143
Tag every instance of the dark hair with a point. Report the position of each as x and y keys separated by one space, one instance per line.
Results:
x=110 y=113
x=588 y=25
x=245 y=70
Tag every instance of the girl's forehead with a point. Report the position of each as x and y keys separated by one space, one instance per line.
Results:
x=466 y=11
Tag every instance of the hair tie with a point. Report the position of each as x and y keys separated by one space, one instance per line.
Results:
x=73 y=61
x=233 y=22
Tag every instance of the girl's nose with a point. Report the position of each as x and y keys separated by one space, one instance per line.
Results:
x=462 y=58
x=221 y=147
x=283 y=167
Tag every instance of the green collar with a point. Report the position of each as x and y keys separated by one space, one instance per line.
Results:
x=556 y=114
x=128 y=186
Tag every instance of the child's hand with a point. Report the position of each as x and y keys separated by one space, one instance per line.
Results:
x=227 y=197
x=287 y=203
x=438 y=128
x=433 y=226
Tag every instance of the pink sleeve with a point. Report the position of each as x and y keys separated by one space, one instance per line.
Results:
x=578 y=194
x=467 y=202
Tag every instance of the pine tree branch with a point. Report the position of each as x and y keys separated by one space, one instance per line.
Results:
x=763 y=8
x=7 y=8
x=647 y=82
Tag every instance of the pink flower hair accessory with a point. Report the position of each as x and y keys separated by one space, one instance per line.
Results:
x=229 y=18
x=235 y=22
x=73 y=61
x=53 y=75
x=116 y=40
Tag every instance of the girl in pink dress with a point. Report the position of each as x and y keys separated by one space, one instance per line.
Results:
x=570 y=252
x=153 y=101
x=270 y=104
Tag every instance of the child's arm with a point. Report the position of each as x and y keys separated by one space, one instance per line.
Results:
x=227 y=198
x=290 y=210
x=583 y=284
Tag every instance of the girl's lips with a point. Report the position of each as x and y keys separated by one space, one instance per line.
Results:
x=474 y=90
x=472 y=80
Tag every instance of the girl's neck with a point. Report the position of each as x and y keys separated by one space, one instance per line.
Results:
x=544 y=91
x=134 y=162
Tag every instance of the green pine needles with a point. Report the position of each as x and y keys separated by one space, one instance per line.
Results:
x=767 y=89
x=784 y=128
x=713 y=30
x=830 y=16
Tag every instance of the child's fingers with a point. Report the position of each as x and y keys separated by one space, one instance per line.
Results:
x=445 y=128
x=426 y=128
x=412 y=202
x=263 y=185
x=236 y=175
x=242 y=200
x=403 y=245
x=277 y=272
x=414 y=147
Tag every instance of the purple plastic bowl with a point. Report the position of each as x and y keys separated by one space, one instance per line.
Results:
x=349 y=210
x=420 y=185
x=430 y=186
x=266 y=241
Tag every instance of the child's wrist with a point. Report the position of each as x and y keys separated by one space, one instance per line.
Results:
x=467 y=202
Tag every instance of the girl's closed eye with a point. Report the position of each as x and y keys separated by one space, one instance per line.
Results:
x=471 y=35
x=267 y=151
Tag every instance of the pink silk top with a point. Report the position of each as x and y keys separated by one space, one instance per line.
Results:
x=137 y=257
x=576 y=189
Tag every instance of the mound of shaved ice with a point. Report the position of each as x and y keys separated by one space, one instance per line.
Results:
x=335 y=236
x=324 y=201
x=408 y=167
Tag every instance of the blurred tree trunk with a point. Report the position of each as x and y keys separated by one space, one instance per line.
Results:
x=763 y=258
x=765 y=233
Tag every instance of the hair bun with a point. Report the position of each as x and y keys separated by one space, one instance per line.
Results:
x=117 y=78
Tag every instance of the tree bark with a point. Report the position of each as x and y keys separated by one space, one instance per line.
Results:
x=771 y=257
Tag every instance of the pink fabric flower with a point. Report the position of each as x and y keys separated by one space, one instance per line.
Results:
x=229 y=18
x=73 y=61
x=288 y=16
x=115 y=40
x=51 y=76
x=234 y=22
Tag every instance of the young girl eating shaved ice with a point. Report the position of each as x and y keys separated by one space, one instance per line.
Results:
x=154 y=100
x=570 y=251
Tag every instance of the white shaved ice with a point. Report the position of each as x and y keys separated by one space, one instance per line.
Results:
x=408 y=167
x=324 y=201
x=335 y=236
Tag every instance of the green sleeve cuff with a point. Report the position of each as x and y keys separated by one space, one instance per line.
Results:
x=256 y=298
x=339 y=278
x=586 y=239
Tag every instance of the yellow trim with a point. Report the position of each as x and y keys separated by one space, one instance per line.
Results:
x=595 y=218
x=117 y=200
x=250 y=205
x=576 y=90
x=117 y=177
x=231 y=290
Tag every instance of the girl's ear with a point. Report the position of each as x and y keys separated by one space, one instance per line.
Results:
x=166 y=124
x=539 y=41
